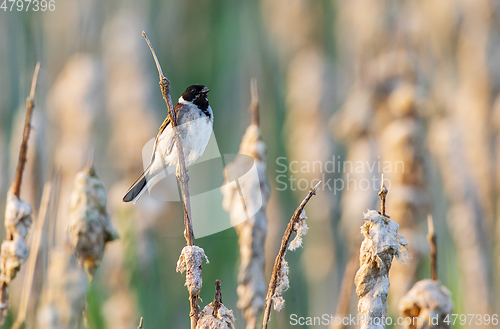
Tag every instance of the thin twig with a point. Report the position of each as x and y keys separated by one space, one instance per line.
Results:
x=30 y=269
x=254 y=103
x=181 y=172
x=431 y=236
x=16 y=186
x=383 y=194
x=279 y=259
x=23 y=151
x=140 y=323
x=217 y=298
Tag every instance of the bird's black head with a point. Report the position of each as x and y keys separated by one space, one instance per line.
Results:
x=197 y=94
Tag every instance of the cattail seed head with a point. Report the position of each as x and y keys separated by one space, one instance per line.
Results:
x=191 y=260
x=90 y=227
x=14 y=249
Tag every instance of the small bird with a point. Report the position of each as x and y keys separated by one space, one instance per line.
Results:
x=194 y=123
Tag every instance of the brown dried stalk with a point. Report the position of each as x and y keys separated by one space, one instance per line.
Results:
x=215 y=315
x=217 y=298
x=382 y=194
x=23 y=151
x=428 y=300
x=181 y=172
x=254 y=103
x=251 y=228
x=280 y=258
x=431 y=236
x=16 y=188
x=140 y=324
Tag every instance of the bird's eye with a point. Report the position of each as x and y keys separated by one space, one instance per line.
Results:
x=193 y=90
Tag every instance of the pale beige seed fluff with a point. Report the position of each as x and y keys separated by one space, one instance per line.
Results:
x=191 y=260
x=282 y=281
x=223 y=319
x=90 y=226
x=63 y=296
x=381 y=243
x=430 y=301
x=282 y=285
x=14 y=251
x=252 y=231
x=300 y=226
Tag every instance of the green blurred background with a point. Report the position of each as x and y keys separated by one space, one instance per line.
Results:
x=337 y=79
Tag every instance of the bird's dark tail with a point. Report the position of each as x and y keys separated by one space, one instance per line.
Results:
x=138 y=188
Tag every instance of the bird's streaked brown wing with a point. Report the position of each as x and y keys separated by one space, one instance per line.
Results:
x=164 y=125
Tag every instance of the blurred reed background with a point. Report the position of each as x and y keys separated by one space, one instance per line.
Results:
x=359 y=80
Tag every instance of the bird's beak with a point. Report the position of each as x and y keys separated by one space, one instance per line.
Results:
x=205 y=90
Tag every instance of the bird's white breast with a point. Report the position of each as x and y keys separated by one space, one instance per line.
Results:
x=195 y=134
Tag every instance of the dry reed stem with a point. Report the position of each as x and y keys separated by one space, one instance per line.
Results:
x=5 y=278
x=30 y=105
x=428 y=300
x=280 y=259
x=431 y=236
x=251 y=228
x=140 y=323
x=382 y=194
x=254 y=102
x=181 y=172
x=215 y=315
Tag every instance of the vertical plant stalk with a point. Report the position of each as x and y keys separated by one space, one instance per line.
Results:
x=431 y=236
x=254 y=102
x=215 y=314
x=250 y=223
x=140 y=323
x=382 y=194
x=217 y=298
x=427 y=302
x=23 y=151
x=181 y=172
x=16 y=191
x=281 y=255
